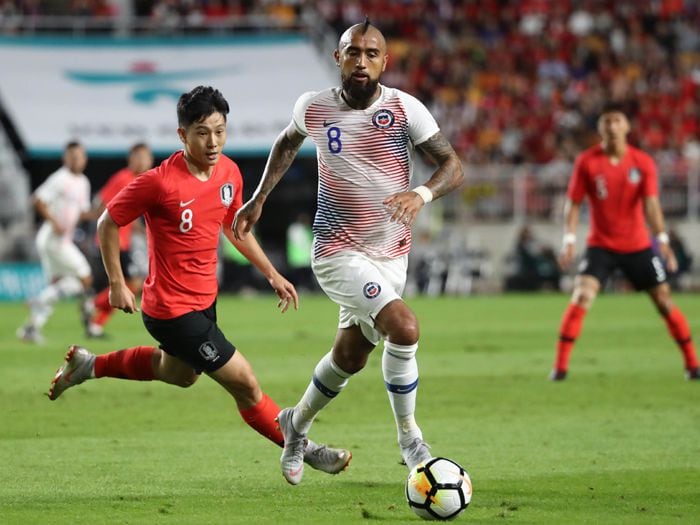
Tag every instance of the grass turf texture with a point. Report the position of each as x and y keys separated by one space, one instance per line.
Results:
x=618 y=442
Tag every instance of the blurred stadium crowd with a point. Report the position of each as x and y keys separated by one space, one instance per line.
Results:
x=516 y=85
x=515 y=81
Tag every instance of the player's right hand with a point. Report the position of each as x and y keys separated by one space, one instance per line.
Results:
x=246 y=217
x=566 y=256
x=122 y=298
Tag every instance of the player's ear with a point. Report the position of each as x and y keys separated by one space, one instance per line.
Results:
x=336 y=56
x=181 y=134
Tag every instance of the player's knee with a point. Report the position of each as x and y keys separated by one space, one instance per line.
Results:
x=185 y=380
x=584 y=296
x=350 y=362
x=662 y=300
x=406 y=332
x=399 y=324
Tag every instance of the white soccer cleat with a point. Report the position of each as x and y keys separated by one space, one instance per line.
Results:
x=292 y=459
x=29 y=334
x=416 y=452
x=326 y=459
x=77 y=367
x=95 y=331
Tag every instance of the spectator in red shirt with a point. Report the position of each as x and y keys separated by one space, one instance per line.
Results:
x=186 y=201
x=621 y=186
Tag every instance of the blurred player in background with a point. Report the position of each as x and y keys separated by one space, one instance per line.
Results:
x=186 y=201
x=364 y=135
x=62 y=201
x=140 y=160
x=620 y=183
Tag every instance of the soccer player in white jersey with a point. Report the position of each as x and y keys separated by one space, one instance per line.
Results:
x=364 y=134
x=62 y=201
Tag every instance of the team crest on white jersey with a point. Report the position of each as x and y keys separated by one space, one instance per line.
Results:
x=371 y=290
x=383 y=118
x=226 y=193
x=634 y=175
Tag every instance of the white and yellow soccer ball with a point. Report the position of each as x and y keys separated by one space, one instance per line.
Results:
x=438 y=489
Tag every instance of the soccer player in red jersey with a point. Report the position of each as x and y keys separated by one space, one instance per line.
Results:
x=621 y=186
x=140 y=160
x=186 y=201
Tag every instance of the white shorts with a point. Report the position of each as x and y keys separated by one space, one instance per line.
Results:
x=59 y=256
x=361 y=286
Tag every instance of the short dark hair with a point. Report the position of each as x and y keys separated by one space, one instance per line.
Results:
x=198 y=104
x=138 y=146
x=72 y=144
x=613 y=107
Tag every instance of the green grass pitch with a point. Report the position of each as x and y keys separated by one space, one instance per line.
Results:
x=618 y=442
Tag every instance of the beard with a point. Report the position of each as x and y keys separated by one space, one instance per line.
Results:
x=360 y=92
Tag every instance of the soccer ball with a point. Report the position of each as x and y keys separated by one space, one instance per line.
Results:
x=438 y=489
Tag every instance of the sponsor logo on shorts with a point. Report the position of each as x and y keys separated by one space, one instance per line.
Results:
x=371 y=290
x=208 y=351
x=383 y=119
x=583 y=265
x=658 y=269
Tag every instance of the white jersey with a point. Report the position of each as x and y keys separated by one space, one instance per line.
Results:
x=364 y=156
x=66 y=195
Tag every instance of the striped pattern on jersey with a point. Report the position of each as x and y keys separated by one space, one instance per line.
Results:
x=363 y=157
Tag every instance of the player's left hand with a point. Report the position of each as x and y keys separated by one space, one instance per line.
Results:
x=285 y=291
x=668 y=256
x=246 y=217
x=404 y=206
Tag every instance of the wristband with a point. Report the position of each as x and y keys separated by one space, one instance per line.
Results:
x=662 y=237
x=569 y=238
x=424 y=193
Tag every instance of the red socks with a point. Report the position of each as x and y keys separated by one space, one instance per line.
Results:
x=568 y=332
x=680 y=331
x=132 y=363
x=262 y=418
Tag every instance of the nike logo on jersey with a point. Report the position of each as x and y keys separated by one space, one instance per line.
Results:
x=183 y=204
x=326 y=123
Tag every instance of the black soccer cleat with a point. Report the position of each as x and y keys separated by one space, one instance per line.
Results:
x=557 y=375
x=692 y=374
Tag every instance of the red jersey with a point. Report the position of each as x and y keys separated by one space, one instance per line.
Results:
x=183 y=222
x=114 y=185
x=616 y=197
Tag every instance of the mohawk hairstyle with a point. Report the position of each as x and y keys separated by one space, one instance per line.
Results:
x=366 y=24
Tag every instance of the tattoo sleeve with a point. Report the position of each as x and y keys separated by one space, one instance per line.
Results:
x=450 y=173
x=283 y=153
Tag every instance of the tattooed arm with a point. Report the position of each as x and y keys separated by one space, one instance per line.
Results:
x=283 y=152
x=448 y=176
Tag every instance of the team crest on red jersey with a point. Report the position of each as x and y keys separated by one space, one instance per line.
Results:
x=383 y=118
x=634 y=175
x=226 y=193
x=371 y=290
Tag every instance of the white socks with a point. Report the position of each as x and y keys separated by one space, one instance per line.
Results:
x=42 y=306
x=400 y=371
x=327 y=382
